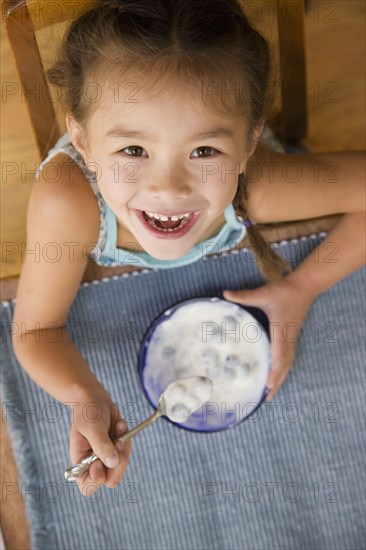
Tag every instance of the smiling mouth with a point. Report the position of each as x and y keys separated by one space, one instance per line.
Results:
x=168 y=225
x=168 y=228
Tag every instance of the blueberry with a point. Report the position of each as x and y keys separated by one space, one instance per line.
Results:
x=231 y=360
x=209 y=356
x=244 y=369
x=168 y=353
x=230 y=322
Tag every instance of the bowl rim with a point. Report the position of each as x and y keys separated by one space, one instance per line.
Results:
x=263 y=321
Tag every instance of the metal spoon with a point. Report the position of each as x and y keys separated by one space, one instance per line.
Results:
x=72 y=473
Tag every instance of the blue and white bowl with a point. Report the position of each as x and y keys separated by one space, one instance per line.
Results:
x=172 y=344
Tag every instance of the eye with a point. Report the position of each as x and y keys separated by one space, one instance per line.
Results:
x=135 y=151
x=205 y=151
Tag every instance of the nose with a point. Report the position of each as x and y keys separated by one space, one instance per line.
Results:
x=169 y=187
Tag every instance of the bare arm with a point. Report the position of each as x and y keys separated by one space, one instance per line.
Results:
x=288 y=187
x=341 y=253
x=62 y=222
x=50 y=278
x=294 y=187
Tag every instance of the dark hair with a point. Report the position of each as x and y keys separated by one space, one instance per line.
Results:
x=174 y=41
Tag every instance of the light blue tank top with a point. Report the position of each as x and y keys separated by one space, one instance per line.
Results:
x=107 y=253
x=229 y=235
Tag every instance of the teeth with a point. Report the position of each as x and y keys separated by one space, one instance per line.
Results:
x=180 y=217
x=166 y=218
x=184 y=217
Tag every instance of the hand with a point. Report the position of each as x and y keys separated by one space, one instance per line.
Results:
x=286 y=306
x=96 y=422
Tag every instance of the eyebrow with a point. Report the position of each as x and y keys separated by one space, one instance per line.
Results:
x=119 y=132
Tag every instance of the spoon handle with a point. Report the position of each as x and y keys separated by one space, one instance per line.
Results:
x=76 y=470
x=144 y=424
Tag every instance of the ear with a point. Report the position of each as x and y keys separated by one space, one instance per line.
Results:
x=258 y=131
x=256 y=135
x=77 y=137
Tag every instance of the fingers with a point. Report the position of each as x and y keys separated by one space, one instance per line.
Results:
x=102 y=444
x=280 y=301
x=99 y=475
x=283 y=357
x=115 y=475
x=274 y=387
x=254 y=297
x=98 y=472
x=94 y=437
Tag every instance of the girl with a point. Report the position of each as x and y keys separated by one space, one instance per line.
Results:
x=165 y=104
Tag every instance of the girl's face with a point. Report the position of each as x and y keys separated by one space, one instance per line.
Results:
x=163 y=156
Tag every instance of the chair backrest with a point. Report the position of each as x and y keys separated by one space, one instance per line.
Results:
x=23 y=18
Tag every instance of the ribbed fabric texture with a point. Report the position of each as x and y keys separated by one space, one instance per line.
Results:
x=292 y=477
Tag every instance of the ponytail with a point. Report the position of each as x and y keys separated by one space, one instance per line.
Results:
x=272 y=266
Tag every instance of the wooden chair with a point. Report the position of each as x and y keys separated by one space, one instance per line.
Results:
x=22 y=18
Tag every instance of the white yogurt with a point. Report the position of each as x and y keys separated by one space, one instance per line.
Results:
x=183 y=397
x=215 y=339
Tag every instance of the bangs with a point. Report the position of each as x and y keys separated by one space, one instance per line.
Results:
x=208 y=81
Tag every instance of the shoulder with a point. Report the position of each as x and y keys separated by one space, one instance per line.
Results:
x=62 y=225
x=62 y=195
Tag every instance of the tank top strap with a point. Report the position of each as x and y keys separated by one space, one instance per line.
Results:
x=64 y=145
x=111 y=234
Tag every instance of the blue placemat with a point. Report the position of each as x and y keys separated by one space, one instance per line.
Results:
x=291 y=477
